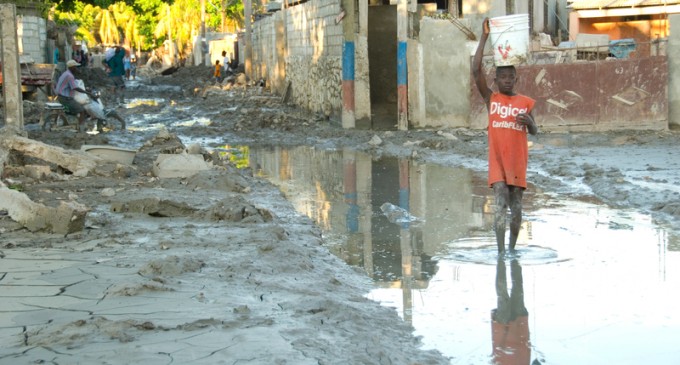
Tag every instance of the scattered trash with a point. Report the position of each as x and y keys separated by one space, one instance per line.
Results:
x=398 y=215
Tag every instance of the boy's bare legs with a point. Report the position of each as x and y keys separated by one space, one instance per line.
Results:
x=507 y=196
x=515 y=194
x=501 y=199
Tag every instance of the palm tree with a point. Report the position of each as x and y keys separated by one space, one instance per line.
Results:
x=108 y=29
x=232 y=15
x=165 y=23
x=179 y=22
x=126 y=20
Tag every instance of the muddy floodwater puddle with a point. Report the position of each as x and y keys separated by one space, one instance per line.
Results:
x=137 y=102
x=192 y=122
x=588 y=284
x=481 y=251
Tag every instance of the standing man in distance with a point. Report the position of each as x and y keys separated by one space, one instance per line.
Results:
x=510 y=119
x=116 y=72
x=225 y=63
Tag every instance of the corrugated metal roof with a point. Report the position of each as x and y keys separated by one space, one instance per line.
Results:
x=608 y=4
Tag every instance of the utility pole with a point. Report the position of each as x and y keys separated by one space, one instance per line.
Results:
x=204 y=45
x=224 y=16
x=11 y=70
x=247 y=14
x=453 y=8
x=402 y=71
x=348 y=63
x=509 y=7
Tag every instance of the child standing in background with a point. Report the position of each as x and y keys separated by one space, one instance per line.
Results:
x=218 y=71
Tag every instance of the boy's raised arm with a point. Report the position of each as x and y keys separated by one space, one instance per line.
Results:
x=477 y=73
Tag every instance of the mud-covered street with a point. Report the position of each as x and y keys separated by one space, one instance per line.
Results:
x=228 y=266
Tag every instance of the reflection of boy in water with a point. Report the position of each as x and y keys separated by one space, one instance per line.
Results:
x=510 y=320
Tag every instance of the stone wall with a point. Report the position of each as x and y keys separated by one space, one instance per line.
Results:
x=314 y=62
x=264 y=58
x=311 y=52
x=32 y=33
x=674 y=72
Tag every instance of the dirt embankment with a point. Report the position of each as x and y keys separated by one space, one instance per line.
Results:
x=204 y=269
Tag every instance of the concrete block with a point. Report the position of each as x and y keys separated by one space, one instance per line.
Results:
x=180 y=165
x=66 y=218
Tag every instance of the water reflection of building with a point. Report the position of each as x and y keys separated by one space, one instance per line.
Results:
x=343 y=191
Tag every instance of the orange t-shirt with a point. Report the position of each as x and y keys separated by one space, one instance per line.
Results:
x=511 y=345
x=508 y=150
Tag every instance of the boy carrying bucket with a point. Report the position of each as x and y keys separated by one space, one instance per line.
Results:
x=510 y=120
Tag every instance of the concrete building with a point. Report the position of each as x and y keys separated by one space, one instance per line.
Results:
x=32 y=34
x=406 y=64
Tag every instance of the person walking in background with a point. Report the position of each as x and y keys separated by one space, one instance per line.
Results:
x=116 y=72
x=84 y=58
x=225 y=63
x=510 y=119
x=77 y=56
x=126 y=65
x=133 y=66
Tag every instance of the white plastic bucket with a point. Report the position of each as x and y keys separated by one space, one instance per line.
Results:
x=510 y=39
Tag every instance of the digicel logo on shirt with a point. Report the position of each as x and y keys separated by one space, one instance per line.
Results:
x=505 y=111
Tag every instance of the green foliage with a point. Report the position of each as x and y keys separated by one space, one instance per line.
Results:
x=41 y=6
x=147 y=17
x=17 y=187
x=145 y=24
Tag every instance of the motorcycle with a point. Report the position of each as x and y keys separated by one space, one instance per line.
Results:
x=93 y=107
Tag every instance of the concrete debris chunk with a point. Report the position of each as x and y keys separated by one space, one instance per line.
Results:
x=449 y=136
x=180 y=165
x=67 y=217
x=375 y=141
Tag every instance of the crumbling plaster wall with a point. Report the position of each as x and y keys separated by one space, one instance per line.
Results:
x=674 y=72
x=308 y=41
x=314 y=56
x=439 y=76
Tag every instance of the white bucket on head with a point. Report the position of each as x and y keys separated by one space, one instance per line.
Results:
x=510 y=39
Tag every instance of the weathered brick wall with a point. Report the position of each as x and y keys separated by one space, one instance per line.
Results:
x=312 y=47
x=314 y=62
x=32 y=33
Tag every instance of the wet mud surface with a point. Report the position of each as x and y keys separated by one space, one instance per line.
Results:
x=220 y=267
